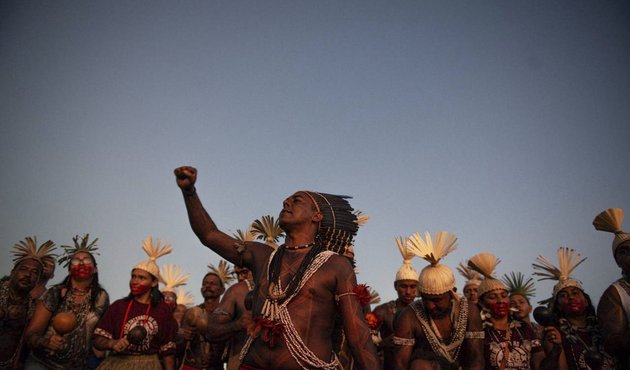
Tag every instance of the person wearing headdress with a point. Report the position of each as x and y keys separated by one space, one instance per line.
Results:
x=200 y=350
x=521 y=291
x=471 y=286
x=173 y=277
x=613 y=309
x=441 y=330
x=16 y=303
x=184 y=301
x=60 y=333
x=406 y=286
x=300 y=287
x=575 y=325
x=508 y=343
x=49 y=259
x=230 y=319
x=139 y=330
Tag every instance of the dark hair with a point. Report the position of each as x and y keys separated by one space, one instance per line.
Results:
x=590 y=309
x=95 y=286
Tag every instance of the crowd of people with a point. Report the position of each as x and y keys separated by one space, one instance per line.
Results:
x=299 y=306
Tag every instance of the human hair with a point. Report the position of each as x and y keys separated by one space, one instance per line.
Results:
x=589 y=312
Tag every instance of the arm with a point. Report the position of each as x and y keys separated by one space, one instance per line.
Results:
x=223 y=322
x=206 y=230
x=473 y=347
x=613 y=323
x=357 y=330
x=105 y=344
x=34 y=332
x=404 y=325
x=169 y=362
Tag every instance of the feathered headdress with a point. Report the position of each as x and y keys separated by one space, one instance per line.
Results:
x=339 y=224
x=173 y=277
x=485 y=264
x=375 y=298
x=517 y=285
x=223 y=272
x=27 y=249
x=610 y=220
x=154 y=251
x=435 y=278
x=184 y=297
x=406 y=271
x=81 y=245
x=567 y=262
x=472 y=277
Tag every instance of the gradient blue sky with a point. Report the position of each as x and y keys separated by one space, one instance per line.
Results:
x=505 y=123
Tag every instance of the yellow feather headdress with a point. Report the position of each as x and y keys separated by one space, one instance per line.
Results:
x=223 y=272
x=485 y=264
x=567 y=262
x=435 y=278
x=472 y=277
x=184 y=297
x=28 y=249
x=154 y=250
x=406 y=271
x=173 y=277
x=610 y=220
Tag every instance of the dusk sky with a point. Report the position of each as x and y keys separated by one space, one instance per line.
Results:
x=503 y=122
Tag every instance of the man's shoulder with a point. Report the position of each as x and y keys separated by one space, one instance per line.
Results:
x=387 y=306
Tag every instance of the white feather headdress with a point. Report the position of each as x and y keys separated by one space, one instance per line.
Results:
x=435 y=278
x=610 y=220
x=472 y=277
x=568 y=260
x=154 y=251
x=184 y=297
x=173 y=277
x=223 y=272
x=406 y=271
x=486 y=264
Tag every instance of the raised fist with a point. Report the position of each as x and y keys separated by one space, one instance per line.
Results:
x=186 y=177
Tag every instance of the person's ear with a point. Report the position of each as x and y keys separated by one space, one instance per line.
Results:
x=318 y=217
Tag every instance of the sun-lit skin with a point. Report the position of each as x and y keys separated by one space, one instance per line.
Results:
x=471 y=292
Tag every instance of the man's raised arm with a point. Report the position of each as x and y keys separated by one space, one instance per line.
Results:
x=201 y=223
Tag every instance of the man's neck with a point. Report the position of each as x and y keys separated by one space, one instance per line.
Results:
x=298 y=237
x=401 y=304
x=210 y=303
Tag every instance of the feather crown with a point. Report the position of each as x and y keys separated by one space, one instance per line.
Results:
x=154 y=250
x=173 y=277
x=406 y=271
x=517 y=285
x=27 y=249
x=610 y=220
x=567 y=262
x=223 y=272
x=472 y=277
x=485 y=264
x=183 y=297
x=435 y=278
x=81 y=244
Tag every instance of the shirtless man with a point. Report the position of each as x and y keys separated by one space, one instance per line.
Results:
x=299 y=291
x=231 y=318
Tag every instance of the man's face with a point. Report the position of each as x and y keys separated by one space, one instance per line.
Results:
x=571 y=301
x=298 y=209
x=407 y=290
x=471 y=292
x=497 y=302
x=25 y=275
x=242 y=273
x=170 y=299
x=438 y=306
x=211 y=287
x=622 y=257
x=519 y=302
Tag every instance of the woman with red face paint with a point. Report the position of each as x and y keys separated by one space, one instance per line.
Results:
x=139 y=329
x=79 y=294
x=575 y=327
x=509 y=344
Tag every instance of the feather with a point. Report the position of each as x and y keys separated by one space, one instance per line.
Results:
x=517 y=284
x=609 y=220
x=155 y=250
x=567 y=262
x=485 y=264
x=223 y=272
x=467 y=272
x=434 y=250
x=173 y=276
x=183 y=297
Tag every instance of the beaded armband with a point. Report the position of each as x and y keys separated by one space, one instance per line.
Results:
x=475 y=335
x=403 y=341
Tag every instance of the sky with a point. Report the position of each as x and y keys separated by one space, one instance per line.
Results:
x=504 y=123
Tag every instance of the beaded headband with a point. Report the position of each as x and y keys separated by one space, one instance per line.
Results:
x=339 y=224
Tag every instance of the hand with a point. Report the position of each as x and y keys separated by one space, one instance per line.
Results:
x=186 y=333
x=552 y=335
x=120 y=345
x=186 y=177
x=55 y=343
